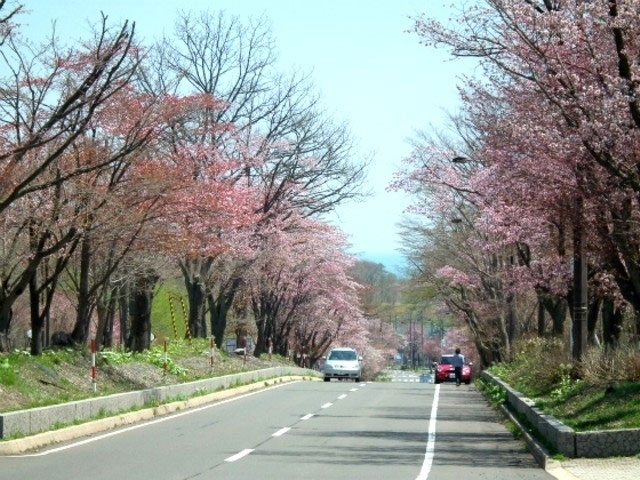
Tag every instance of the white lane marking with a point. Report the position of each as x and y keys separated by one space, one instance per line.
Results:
x=281 y=432
x=431 y=442
x=307 y=416
x=353 y=390
x=343 y=396
x=363 y=384
x=145 y=424
x=239 y=455
x=326 y=405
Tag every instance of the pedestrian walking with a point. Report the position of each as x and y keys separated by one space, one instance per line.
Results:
x=457 y=361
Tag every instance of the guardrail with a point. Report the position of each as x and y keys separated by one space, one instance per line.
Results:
x=36 y=420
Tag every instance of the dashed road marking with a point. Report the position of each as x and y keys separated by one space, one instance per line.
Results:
x=342 y=397
x=307 y=416
x=239 y=455
x=326 y=405
x=281 y=432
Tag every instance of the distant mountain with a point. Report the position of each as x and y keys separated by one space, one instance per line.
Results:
x=393 y=262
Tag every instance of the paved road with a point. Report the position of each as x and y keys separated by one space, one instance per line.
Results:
x=305 y=430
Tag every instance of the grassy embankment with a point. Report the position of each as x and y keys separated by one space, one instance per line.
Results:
x=606 y=397
x=64 y=375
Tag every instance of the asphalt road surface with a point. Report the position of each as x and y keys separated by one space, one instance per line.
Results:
x=303 y=430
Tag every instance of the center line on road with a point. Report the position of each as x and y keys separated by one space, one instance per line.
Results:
x=326 y=405
x=353 y=390
x=431 y=442
x=307 y=416
x=239 y=455
x=363 y=384
x=281 y=432
x=343 y=396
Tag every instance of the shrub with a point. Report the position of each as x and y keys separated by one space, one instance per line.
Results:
x=607 y=366
x=539 y=365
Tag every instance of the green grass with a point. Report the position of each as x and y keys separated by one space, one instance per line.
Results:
x=577 y=404
x=161 y=311
x=597 y=408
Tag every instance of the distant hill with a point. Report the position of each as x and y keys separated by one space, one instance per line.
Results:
x=393 y=262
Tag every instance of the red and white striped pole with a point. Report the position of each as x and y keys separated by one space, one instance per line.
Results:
x=211 y=349
x=94 y=371
x=164 y=364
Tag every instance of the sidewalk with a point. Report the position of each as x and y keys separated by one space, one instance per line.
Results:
x=614 y=468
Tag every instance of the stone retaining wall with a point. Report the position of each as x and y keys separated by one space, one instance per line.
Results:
x=36 y=420
x=565 y=440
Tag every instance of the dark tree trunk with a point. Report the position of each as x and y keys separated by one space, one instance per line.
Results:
x=37 y=321
x=219 y=306
x=196 y=295
x=124 y=302
x=557 y=307
x=541 y=318
x=140 y=312
x=612 y=319
x=592 y=322
x=80 y=332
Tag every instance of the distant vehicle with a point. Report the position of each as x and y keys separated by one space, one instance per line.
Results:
x=445 y=371
x=231 y=346
x=342 y=363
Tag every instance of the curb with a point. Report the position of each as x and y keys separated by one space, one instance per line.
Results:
x=540 y=453
x=33 y=442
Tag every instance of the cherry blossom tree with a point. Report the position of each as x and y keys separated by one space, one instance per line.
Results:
x=556 y=135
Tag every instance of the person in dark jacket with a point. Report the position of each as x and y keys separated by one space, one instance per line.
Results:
x=457 y=361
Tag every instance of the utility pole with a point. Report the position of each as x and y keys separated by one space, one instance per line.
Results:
x=579 y=325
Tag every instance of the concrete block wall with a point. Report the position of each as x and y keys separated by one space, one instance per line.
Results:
x=564 y=439
x=36 y=420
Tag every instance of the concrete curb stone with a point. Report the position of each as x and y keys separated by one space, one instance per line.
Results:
x=22 y=445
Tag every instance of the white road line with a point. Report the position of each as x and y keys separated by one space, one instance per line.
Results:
x=307 y=416
x=353 y=390
x=326 y=405
x=145 y=424
x=342 y=397
x=281 y=432
x=363 y=384
x=239 y=455
x=431 y=442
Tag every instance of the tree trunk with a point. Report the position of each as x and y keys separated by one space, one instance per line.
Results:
x=140 y=312
x=123 y=304
x=541 y=318
x=219 y=307
x=612 y=319
x=36 y=320
x=592 y=322
x=80 y=332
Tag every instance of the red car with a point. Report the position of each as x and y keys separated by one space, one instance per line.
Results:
x=444 y=371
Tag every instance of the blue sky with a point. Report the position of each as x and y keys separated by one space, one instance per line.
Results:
x=369 y=71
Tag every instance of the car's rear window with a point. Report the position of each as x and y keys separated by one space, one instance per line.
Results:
x=342 y=355
x=445 y=360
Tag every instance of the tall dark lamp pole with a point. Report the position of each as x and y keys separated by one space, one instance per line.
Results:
x=580 y=298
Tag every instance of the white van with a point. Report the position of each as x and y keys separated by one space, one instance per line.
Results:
x=342 y=363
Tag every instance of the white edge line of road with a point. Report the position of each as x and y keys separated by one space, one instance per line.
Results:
x=281 y=432
x=239 y=455
x=146 y=424
x=431 y=442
